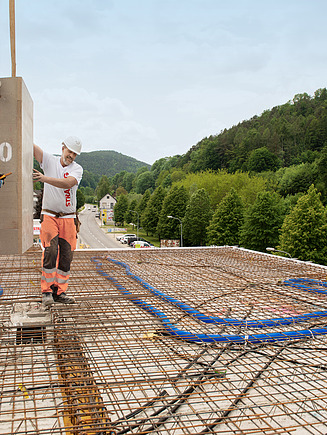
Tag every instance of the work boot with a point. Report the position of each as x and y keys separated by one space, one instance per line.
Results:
x=63 y=299
x=47 y=299
x=54 y=288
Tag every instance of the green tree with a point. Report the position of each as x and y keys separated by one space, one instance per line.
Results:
x=144 y=181
x=197 y=216
x=103 y=187
x=158 y=166
x=261 y=159
x=89 y=194
x=80 y=199
x=127 y=181
x=322 y=171
x=37 y=186
x=177 y=175
x=120 y=209
x=131 y=217
x=162 y=176
x=151 y=214
x=174 y=204
x=143 y=203
x=218 y=185
x=117 y=179
x=225 y=226
x=304 y=231
x=121 y=191
x=296 y=178
x=166 y=182
x=89 y=180
x=262 y=222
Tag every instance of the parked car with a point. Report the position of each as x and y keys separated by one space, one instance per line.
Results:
x=120 y=236
x=125 y=238
x=140 y=244
x=134 y=239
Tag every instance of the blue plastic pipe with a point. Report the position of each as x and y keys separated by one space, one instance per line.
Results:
x=209 y=338
x=266 y=323
x=294 y=282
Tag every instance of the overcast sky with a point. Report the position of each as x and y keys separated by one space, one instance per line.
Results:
x=150 y=78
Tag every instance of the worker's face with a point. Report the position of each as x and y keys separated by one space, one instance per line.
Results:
x=67 y=156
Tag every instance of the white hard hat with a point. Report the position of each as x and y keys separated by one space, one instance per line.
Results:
x=74 y=144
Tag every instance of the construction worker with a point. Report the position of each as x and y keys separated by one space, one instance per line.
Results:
x=58 y=218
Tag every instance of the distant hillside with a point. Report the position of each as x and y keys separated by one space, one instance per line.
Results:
x=289 y=134
x=109 y=163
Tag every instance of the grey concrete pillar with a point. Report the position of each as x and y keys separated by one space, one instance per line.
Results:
x=16 y=156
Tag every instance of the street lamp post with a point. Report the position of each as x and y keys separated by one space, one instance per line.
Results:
x=172 y=217
x=277 y=250
x=137 y=228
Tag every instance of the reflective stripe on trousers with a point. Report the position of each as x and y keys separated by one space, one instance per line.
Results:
x=58 y=238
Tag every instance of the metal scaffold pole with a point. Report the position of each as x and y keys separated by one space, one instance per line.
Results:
x=12 y=37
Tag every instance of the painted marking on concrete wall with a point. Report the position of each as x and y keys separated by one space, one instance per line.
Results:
x=5 y=151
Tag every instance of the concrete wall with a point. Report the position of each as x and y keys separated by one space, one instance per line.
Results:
x=16 y=156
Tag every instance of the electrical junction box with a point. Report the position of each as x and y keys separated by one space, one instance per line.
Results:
x=16 y=159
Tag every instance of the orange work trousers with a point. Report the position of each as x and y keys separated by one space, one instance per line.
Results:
x=58 y=238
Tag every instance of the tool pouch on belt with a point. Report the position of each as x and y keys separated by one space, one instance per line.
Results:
x=77 y=223
x=60 y=214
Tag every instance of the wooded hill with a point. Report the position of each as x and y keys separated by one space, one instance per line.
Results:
x=293 y=133
x=286 y=145
x=109 y=163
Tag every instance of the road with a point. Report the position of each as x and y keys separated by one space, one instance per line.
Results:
x=93 y=236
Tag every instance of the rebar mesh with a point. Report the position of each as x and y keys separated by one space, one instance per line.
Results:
x=107 y=366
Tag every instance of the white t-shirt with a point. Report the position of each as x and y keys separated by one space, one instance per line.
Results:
x=55 y=198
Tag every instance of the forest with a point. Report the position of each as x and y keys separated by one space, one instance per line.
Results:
x=259 y=184
x=109 y=162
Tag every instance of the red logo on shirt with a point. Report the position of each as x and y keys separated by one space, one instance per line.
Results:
x=67 y=192
x=68 y=197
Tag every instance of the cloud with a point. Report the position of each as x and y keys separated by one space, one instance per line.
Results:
x=150 y=78
x=101 y=122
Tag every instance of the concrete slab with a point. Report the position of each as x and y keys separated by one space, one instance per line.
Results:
x=30 y=314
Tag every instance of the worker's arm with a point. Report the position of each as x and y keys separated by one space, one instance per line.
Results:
x=38 y=153
x=62 y=183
